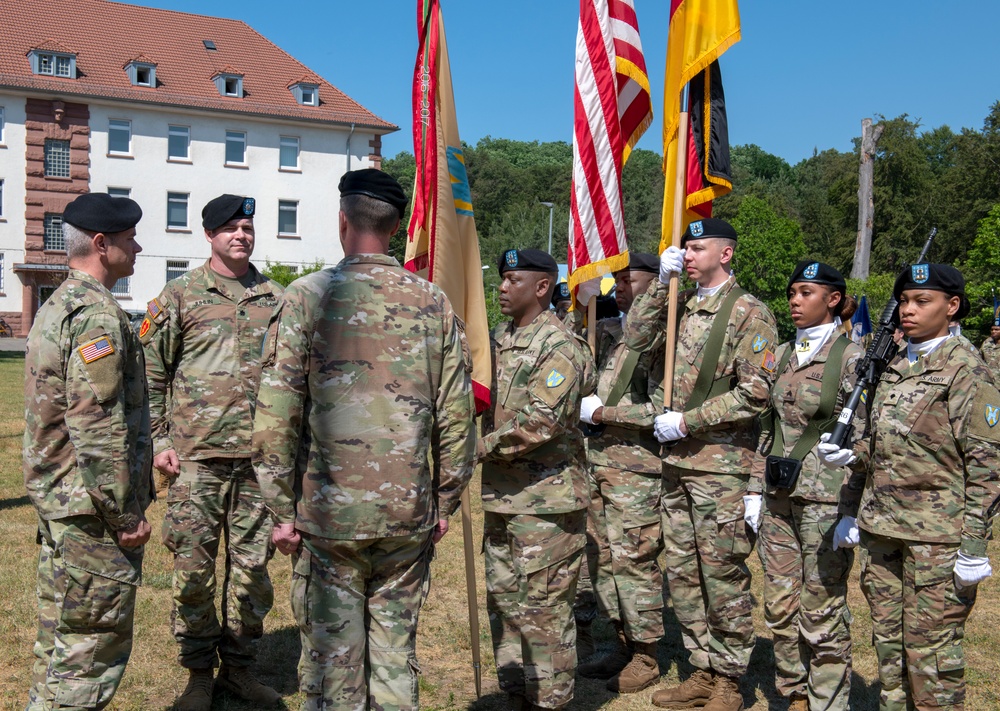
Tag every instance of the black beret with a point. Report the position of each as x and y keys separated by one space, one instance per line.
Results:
x=818 y=273
x=643 y=262
x=527 y=260
x=709 y=227
x=374 y=184
x=224 y=208
x=99 y=212
x=561 y=293
x=934 y=277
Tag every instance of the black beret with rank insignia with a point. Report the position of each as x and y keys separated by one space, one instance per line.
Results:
x=527 y=260
x=707 y=228
x=561 y=293
x=224 y=208
x=818 y=273
x=934 y=277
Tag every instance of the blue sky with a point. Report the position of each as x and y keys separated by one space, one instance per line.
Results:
x=802 y=78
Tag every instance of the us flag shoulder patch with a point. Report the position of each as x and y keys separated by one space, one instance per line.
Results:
x=154 y=308
x=96 y=349
x=769 y=362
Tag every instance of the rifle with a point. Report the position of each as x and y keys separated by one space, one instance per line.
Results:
x=871 y=368
x=876 y=361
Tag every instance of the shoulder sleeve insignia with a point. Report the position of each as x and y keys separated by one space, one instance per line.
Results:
x=96 y=349
x=144 y=327
x=156 y=311
x=759 y=343
x=992 y=415
x=554 y=379
x=769 y=362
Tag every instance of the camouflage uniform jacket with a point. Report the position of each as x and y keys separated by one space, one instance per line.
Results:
x=991 y=354
x=795 y=398
x=203 y=348
x=533 y=453
x=363 y=375
x=932 y=457
x=86 y=437
x=723 y=431
x=627 y=442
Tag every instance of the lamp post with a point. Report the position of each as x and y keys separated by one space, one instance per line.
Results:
x=549 y=205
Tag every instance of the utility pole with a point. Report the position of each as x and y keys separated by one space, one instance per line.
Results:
x=866 y=202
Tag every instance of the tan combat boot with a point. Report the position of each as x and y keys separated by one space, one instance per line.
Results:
x=726 y=695
x=694 y=692
x=239 y=681
x=799 y=703
x=584 y=640
x=641 y=673
x=197 y=695
x=610 y=664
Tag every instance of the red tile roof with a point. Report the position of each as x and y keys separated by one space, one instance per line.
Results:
x=106 y=36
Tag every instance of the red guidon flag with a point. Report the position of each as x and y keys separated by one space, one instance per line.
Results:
x=443 y=245
x=611 y=111
x=700 y=32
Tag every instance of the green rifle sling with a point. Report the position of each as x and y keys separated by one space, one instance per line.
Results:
x=706 y=387
x=624 y=378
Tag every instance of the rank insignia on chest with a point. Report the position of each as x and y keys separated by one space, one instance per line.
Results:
x=992 y=415
x=769 y=363
x=144 y=328
x=804 y=345
x=759 y=343
x=555 y=379
x=96 y=349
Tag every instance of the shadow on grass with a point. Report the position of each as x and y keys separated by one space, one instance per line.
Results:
x=15 y=503
x=11 y=355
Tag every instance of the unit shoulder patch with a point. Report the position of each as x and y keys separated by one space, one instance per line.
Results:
x=560 y=377
x=984 y=419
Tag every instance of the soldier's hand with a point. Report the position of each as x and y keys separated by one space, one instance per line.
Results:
x=136 y=536
x=751 y=511
x=846 y=533
x=671 y=262
x=669 y=426
x=440 y=530
x=971 y=569
x=588 y=406
x=167 y=462
x=286 y=539
x=833 y=455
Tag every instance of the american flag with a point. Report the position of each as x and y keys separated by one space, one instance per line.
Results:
x=96 y=349
x=612 y=110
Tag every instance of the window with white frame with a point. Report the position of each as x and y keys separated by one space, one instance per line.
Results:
x=1 y=272
x=141 y=73
x=176 y=268
x=120 y=136
x=236 y=147
x=54 y=240
x=305 y=93
x=120 y=192
x=122 y=287
x=2 y=126
x=53 y=64
x=56 y=158
x=288 y=153
x=288 y=217
x=229 y=84
x=177 y=211
x=1 y=197
x=178 y=142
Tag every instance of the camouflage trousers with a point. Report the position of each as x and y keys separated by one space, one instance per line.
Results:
x=706 y=544
x=211 y=501
x=532 y=564
x=86 y=603
x=597 y=557
x=918 y=621
x=356 y=603
x=626 y=521
x=805 y=600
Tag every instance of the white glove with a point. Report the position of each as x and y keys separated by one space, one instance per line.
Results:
x=671 y=262
x=587 y=290
x=667 y=427
x=832 y=454
x=846 y=533
x=751 y=511
x=588 y=406
x=971 y=569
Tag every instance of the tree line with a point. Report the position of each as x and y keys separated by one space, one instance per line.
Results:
x=923 y=178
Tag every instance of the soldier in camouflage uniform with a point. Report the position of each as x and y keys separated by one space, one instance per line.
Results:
x=625 y=457
x=707 y=512
x=805 y=567
x=87 y=462
x=365 y=376
x=534 y=486
x=990 y=349
x=203 y=336
x=930 y=497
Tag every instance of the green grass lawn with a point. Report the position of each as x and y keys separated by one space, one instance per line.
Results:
x=153 y=679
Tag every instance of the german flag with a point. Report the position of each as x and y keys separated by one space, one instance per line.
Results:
x=708 y=171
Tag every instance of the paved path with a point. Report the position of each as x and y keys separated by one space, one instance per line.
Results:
x=13 y=344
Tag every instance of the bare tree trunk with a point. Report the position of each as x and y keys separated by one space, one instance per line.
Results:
x=866 y=204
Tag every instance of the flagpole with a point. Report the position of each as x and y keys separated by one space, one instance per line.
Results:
x=470 y=584
x=592 y=324
x=680 y=197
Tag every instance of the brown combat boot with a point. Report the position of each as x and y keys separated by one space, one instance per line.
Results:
x=239 y=681
x=584 y=640
x=197 y=695
x=798 y=703
x=726 y=695
x=610 y=664
x=641 y=673
x=694 y=692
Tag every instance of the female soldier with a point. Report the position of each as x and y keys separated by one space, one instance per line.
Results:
x=930 y=495
x=805 y=575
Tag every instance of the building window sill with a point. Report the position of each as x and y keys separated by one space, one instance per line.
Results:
x=53 y=251
x=126 y=156
x=184 y=161
x=179 y=230
x=3 y=145
x=282 y=235
x=121 y=297
x=289 y=170
x=2 y=218
x=238 y=166
x=59 y=178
